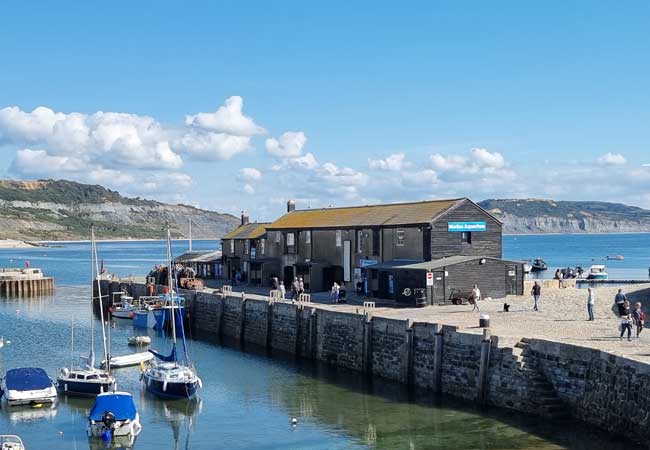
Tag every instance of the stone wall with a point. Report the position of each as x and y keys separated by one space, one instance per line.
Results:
x=539 y=377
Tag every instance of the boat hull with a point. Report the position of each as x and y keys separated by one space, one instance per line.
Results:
x=72 y=387
x=171 y=390
x=144 y=319
x=123 y=313
x=597 y=277
x=29 y=398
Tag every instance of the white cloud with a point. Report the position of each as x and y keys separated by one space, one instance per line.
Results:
x=228 y=119
x=485 y=158
x=205 y=145
x=249 y=174
x=345 y=176
x=449 y=162
x=394 y=162
x=288 y=145
x=611 y=159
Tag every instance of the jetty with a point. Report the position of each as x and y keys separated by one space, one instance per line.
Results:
x=24 y=282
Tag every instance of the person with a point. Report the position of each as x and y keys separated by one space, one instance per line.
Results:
x=283 y=289
x=334 y=293
x=274 y=283
x=536 y=292
x=301 y=286
x=620 y=300
x=476 y=296
x=639 y=318
x=360 y=286
x=295 y=289
x=625 y=321
x=591 y=299
x=237 y=278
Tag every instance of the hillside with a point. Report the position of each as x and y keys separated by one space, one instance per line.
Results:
x=64 y=210
x=548 y=216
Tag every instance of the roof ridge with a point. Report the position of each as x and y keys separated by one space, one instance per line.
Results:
x=382 y=205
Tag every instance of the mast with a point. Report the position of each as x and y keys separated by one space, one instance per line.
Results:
x=171 y=287
x=101 y=306
x=190 y=219
x=91 y=355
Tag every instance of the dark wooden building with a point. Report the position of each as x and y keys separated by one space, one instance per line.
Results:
x=205 y=263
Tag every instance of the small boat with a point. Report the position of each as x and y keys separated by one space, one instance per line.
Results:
x=538 y=265
x=2 y=344
x=169 y=378
x=597 y=272
x=129 y=360
x=615 y=258
x=123 y=307
x=114 y=416
x=27 y=386
x=11 y=442
x=140 y=340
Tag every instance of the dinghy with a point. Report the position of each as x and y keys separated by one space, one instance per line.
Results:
x=27 y=386
x=129 y=360
x=114 y=416
x=141 y=341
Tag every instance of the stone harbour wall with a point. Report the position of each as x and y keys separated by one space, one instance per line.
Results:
x=549 y=379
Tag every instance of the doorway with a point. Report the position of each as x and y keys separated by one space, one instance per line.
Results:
x=511 y=280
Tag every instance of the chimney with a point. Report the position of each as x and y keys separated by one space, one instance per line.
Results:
x=244 y=218
x=291 y=206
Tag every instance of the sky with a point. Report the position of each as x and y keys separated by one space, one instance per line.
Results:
x=235 y=106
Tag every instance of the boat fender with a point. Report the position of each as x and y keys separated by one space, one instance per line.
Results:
x=165 y=386
x=200 y=383
x=106 y=435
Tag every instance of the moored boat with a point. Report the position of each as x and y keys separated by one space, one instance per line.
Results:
x=141 y=341
x=129 y=360
x=615 y=258
x=597 y=272
x=538 y=265
x=114 y=415
x=27 y=386
x=122 y=308
x=11 y=442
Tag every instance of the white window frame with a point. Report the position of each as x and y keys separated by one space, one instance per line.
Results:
x=400 y=237
x=359 y=241
x=247 y=246
x=339 y=238
x=232 y=246
x=262 y=246
x=308 y=237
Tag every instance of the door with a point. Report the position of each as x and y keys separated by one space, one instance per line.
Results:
x=347 y=266
x=511 y=280
x=288 y=276
x=438 y=288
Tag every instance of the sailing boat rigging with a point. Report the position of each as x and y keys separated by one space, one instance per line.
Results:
x=87 y=379
x=167 y=378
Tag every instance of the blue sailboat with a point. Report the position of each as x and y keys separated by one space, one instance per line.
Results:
x=167 y=377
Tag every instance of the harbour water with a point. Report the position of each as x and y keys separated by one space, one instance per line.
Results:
x=248 y=397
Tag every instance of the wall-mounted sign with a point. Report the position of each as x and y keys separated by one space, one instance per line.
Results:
x=367 y=262
x=429 y=278
x=466 y=226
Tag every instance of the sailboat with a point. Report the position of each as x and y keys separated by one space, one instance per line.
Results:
x=167 y=378
x=87 y=379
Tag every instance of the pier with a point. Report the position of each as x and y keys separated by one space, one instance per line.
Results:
x=24 y=282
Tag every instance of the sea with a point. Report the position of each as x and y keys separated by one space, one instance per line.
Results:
x=248 y=396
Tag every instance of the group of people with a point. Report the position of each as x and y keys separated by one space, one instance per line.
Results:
x=297 y=287
x=627 y=317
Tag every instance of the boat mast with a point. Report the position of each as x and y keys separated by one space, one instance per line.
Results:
x=101 y=307
x=190 y=219
x=170 y=287
x=91 y=355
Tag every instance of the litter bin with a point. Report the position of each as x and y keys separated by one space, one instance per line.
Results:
x=420 y=297
x=484 y=321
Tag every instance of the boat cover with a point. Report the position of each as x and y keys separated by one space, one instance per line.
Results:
x=170 y=358
x=27 y=379
x=120 y=404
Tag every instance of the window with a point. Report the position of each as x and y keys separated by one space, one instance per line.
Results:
x=247 y=246
x=232 y=246
x=375 y=241
x=308 y=237
x=278 y=237
x=466 y=237
x=338 y=238
x=289 y=243
x=400 y=237
x=359 y=241
x=262 y=246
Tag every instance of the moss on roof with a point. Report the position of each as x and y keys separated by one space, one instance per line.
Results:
x=248 y=231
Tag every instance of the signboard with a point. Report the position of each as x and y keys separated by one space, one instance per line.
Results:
x=429 y=278
x=466 y=226
x=367 y=262
x=391 y=284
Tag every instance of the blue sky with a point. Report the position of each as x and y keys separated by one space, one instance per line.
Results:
x=392 y=101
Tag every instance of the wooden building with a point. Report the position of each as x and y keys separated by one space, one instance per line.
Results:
x=205 y=263
x=370 y=243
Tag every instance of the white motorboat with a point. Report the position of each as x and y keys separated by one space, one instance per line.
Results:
x=27 y=386
x=11 y=442
x=122 y=307
x=114 y=416
x=597 y=272
x=140 y=341
x=129 y=360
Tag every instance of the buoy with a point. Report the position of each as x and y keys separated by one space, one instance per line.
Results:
x=294 y=421
x=106 y=435
x=60 y=433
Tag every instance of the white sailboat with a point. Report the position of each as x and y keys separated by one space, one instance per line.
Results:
x=87 y=379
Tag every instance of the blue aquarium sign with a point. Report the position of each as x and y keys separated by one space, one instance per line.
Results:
x=466 y=226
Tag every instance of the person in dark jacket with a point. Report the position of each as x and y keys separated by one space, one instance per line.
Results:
x=620 y=299
x=536 y=292
x=639 y=318
x=625 y=322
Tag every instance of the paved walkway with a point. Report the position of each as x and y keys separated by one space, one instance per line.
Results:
x=563 y=316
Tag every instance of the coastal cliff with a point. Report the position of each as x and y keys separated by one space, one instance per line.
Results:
x=521 y=216
x=64 y=210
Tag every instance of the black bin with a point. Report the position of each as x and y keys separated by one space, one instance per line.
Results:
x=420 y=297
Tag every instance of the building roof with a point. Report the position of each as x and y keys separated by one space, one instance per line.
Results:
x=440 y=263
x=248 y=231
x=199 y=256
x=360 y=216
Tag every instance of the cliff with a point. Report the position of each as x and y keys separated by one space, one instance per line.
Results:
x=549 y=216
x=64 y=210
